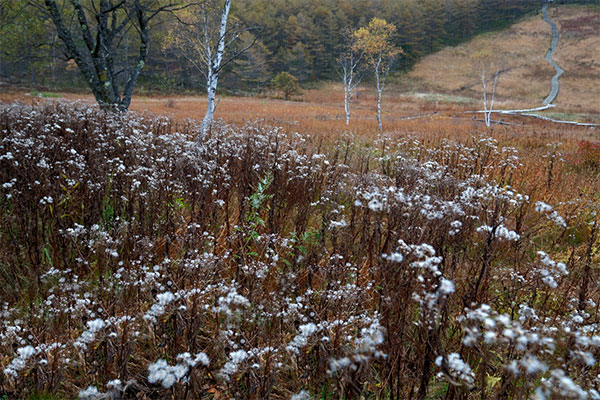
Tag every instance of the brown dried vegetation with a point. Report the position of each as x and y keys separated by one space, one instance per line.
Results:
x=346 y=266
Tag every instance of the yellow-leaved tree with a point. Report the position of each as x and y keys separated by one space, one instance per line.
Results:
x=376 y=42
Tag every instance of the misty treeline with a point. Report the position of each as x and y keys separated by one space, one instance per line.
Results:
x=302 y=37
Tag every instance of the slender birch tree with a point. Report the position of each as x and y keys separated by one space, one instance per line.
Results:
x=488 y=110
x=376 y=42
x=213 y=63
x=349 y=61
x=489 y=68
x=203 y=37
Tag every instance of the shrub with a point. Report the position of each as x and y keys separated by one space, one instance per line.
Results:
x=286 y=83
x=588 y=154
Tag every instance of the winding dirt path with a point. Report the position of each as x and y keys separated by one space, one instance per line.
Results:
x=559 y=71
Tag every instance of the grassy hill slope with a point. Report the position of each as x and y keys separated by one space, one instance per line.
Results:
x=522 y=48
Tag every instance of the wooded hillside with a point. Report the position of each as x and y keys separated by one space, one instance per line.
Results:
x=303 y=37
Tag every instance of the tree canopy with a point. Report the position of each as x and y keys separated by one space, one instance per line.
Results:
x=376 y=41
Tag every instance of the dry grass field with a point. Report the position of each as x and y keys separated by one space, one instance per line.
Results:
x=316 y=110
x=320 y=111
x=278 y=265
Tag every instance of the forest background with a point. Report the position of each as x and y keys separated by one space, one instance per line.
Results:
x=302 y=37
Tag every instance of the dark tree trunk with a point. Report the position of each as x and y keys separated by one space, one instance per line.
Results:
x=95 y=57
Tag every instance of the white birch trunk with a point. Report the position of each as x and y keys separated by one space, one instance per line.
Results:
x=349 y=64
x=212 y=76
x=485 y=110
x=347 y=83
x=211 y=89
x=493 y=97
x=347 y=75
x=380 y=86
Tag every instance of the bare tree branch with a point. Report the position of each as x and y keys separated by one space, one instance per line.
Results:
x=102 y=28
